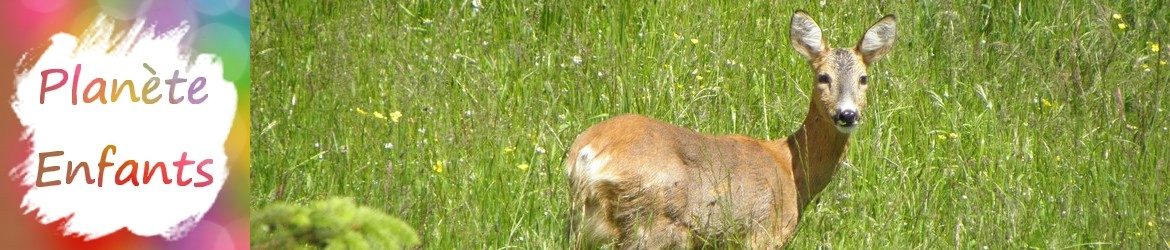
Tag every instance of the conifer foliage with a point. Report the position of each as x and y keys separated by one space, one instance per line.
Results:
x=336 y=223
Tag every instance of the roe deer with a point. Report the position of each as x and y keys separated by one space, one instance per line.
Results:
x=645 y=184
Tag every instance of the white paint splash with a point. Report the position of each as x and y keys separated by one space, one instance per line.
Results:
x=141 y=132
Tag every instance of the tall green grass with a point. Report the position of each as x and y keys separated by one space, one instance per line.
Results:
x=1000 y=124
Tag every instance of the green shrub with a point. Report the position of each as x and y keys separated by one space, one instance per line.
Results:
x=335 y=223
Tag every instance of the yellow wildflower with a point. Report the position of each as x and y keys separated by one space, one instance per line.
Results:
x=1122 y=26
x=942 y=137
x=360 y=111
x=522 y=166
x=698 y=77
x=953 y=135
x=1162 y=62
x=1150 y=223
x=379 y=115
x=1155 y=47
x=395 y=115
x=1117 y=16
x=677 y=36
x=694 y=41
x=438 y=167
x=1046 y=103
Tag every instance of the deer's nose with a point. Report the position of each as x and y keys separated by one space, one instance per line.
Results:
x=846 y=117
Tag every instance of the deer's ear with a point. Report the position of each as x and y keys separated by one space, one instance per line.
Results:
x=806 y=36
x=878 y=39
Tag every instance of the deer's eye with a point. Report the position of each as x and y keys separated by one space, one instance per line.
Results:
x=864 y=79
x=823 y=78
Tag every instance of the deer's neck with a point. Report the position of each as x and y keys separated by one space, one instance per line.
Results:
x=817 y=149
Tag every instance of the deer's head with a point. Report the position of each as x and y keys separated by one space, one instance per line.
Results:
x=840 y=73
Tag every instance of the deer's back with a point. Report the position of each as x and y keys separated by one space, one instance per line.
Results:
x=636 y=166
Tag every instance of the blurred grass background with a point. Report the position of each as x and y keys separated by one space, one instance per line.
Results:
x=999 y=124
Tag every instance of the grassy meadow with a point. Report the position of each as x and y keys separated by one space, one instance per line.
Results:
x=991 y=124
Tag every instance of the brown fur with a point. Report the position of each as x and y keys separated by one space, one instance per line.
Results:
x=662 y=186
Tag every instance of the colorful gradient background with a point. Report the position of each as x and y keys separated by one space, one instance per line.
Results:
x=219 y=27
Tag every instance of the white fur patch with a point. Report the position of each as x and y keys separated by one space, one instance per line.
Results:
x=589 y=164
x=584 y=156
x=846 y=104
